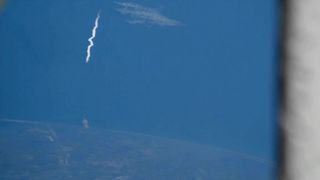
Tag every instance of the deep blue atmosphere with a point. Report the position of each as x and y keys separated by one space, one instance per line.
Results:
x=199 y=71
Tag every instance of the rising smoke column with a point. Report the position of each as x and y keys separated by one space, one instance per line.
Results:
x=94 y=31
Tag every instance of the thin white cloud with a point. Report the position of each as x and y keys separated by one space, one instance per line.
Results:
x=19 y=121
x=144 y=15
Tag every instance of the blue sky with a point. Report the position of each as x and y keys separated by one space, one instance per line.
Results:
x=201 y=71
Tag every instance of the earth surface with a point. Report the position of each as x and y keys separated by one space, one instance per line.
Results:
x=61 y=151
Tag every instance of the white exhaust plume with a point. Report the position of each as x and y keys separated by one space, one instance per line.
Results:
x=94 y=31
x=85 y=122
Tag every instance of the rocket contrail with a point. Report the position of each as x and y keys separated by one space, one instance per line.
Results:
x=94 y=30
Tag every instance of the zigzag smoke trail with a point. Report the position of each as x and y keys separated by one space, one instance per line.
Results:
x=94 y=31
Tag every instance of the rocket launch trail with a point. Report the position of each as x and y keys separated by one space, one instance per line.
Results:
x=94 y=31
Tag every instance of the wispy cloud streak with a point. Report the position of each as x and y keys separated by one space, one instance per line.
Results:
x=94 y=31
x=144 y=15
x=19 y=121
